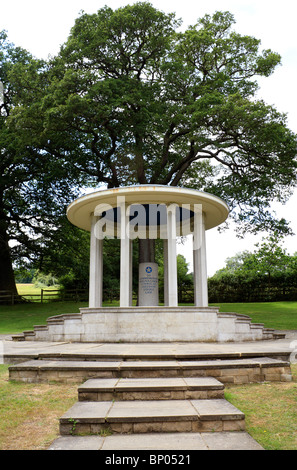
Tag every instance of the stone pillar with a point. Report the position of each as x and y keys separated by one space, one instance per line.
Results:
x=172 y=263
x=126 y=259
x=199 y=258
x=165 y=264
x=96 y=267
x=131 y=274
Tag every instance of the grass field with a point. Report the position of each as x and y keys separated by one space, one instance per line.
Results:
x=20 y=317
x=29 y=413
x=31 y=289
x=270 y=411
x=33 y=293
x=278 y=315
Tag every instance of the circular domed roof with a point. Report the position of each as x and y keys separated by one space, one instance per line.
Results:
x=215 y=210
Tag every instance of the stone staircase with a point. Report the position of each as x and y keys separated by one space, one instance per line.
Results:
x=76 y=370
x=158 y=402
x=146 y=406
x=150 y=416
x=240 y=326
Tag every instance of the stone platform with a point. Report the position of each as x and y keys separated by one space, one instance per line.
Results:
x=149 y=324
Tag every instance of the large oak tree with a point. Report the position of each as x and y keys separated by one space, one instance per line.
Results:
x=133 y=99
x=34 y=187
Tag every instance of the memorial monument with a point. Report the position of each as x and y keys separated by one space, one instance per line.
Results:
x=148 y=212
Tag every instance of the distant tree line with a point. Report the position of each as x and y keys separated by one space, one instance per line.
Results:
x=267 y=274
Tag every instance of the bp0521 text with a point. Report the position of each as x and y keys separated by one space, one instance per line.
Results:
x=169 y=459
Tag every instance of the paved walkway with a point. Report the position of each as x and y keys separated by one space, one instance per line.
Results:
x=158 y=441
x=28 y=349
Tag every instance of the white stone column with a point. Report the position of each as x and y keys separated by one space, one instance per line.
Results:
x=96 y=267
x=199 y=258
x=131 y=274
x=125 y=266
x=172 y=263
x=165 y=264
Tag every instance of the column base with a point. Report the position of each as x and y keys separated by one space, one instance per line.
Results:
x=149 y=324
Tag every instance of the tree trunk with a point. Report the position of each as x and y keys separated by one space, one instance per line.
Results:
x=7 y=280
x=146 y=253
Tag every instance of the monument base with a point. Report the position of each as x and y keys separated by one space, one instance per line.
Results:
x=149 y=324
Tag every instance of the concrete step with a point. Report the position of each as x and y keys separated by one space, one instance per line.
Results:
x=137 y=352
x=150 y=389
x=278 y=335
x=160 y=441
x=227 y=371
x=18 y=337
x=151 y=416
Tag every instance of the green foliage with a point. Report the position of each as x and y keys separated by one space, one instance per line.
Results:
x=133 y=99
x=184 y=278
x=44 y=280
x=184 y=281
x=67 y=256
x=24 y=276
x=35 y=188
x=268 y=273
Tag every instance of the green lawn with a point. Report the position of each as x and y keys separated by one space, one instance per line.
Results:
x=31 y=289
x=278 y=315
x=20 y=317
x=33 y=293
x=270 y=410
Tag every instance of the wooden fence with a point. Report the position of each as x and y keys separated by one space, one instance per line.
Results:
x=55 y=295
x=46 y=295
x=7 y=297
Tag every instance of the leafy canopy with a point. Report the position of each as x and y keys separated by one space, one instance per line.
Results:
x=132 y=99
x=34 y=187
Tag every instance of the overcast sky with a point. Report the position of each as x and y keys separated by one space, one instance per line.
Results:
x=41 y=27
